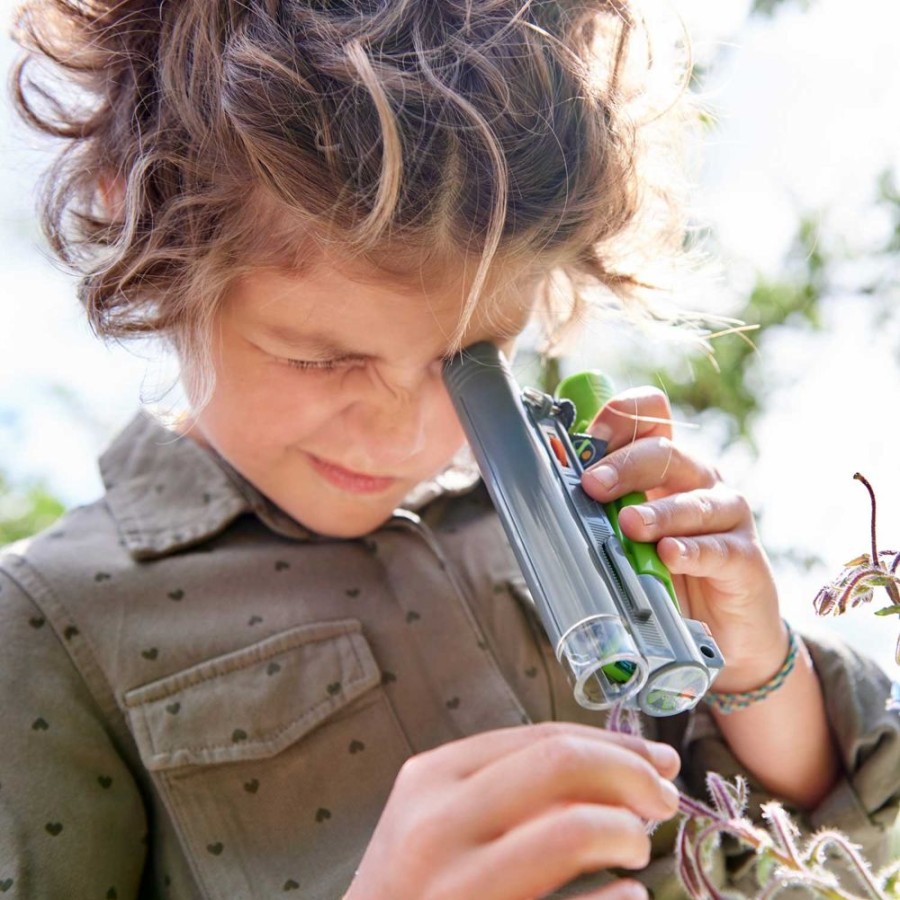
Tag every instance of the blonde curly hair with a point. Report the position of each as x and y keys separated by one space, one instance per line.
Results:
x=408 y=133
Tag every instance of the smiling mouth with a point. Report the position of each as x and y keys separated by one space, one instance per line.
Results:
x=347 y=479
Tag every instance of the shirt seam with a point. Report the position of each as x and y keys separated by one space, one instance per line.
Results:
x=60 y=619
x=418 y=527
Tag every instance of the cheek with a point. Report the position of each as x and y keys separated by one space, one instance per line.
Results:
x=444 y=425
x=269 y=406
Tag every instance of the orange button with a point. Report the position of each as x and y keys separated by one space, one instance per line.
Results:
x=559 y=450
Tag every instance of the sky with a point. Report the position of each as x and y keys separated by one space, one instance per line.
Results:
x=806 y=111
x=808 y=117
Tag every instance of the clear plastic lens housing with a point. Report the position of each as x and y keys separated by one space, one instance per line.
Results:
x=603 y=662
x=674 y=689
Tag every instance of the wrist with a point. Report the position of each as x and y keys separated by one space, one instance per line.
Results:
x=727 y=701
x=752 y=665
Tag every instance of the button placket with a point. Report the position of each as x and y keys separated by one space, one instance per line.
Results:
x=474 y=693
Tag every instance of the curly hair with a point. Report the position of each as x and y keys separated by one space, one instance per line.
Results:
x=408 y=133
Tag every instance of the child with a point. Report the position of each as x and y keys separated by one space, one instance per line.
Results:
x=289 y=649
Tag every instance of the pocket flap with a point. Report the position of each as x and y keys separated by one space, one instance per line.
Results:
x=253 y=702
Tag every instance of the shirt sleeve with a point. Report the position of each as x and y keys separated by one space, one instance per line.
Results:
x=864 y=802
x=72 y=821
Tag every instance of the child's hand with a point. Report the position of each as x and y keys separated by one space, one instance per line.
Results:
x=515 y=813
x=706 y=534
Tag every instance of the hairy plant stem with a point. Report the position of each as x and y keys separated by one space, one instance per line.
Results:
x=890 y=587
x=761 y=846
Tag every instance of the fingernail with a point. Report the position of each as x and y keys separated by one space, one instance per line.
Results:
x=605 y=476
x=670 y=791
x=647 y=514
x=680 y=546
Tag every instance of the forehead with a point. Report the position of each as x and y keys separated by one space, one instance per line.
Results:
x=362 y=301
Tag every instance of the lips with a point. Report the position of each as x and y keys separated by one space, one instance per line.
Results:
x=347 y=479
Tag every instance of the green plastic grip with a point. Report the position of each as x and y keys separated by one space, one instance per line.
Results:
x=589 y=391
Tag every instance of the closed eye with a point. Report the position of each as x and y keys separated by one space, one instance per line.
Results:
x=322 y=365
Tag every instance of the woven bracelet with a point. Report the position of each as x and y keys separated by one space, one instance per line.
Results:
x=728 y=703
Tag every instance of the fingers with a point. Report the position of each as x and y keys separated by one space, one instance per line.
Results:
x=699 y=512
x=706 y=533
x=710 y=556
x=633 y=414
x=653 y=465
x=622 y=889
x=515 y=813
x=549 y=850
x=566 y=769
x=463 y=758
x=703 y=532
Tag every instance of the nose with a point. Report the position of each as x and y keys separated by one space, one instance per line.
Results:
x=388 y=423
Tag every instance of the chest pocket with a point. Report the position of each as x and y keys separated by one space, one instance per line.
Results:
x=273 y=762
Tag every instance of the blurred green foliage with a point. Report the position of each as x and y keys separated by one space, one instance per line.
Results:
x=771 y=7
x=889 y=195
x=810 y=274
x=720 y=380
x=25 y=509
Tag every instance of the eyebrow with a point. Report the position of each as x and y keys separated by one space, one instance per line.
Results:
x=328 y=345
x=308 y=339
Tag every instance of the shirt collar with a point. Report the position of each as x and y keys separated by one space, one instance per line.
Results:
x=166 y=492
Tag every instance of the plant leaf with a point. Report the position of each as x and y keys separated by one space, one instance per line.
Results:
x=863 y=560
x=765 y=868
x=888 y=611
x=783 y=830
x=880 y=580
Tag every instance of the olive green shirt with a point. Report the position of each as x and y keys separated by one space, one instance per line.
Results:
x=202 y=699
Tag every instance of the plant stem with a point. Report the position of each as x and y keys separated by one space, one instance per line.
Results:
x=694 y=809
x=890 y=587
x=865 y=481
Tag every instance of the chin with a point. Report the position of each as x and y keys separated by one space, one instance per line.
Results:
x=357 y=523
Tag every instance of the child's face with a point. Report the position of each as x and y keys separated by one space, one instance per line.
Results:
x=370 y=399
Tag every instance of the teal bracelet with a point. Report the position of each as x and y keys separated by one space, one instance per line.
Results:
x=728 y=703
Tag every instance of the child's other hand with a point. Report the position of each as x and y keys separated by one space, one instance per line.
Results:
x=706 y=534
x=515 y=813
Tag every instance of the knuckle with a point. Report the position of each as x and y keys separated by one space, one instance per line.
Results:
x=647 y=392
x=634 y=842
x=544 y=730
x=647 y=777
x=643 y=400
x=710 y=474
x=602 y=836
x=705 y=505
x=742 y=505
x=443 y=886
x=665 y=443
x=411 y=772
x=669 y=455
x=547 y=734
x=425 y=833
x=578 y=828
x=563 y=753
x=664 y=511
x=691 y=549
x=717 y=548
